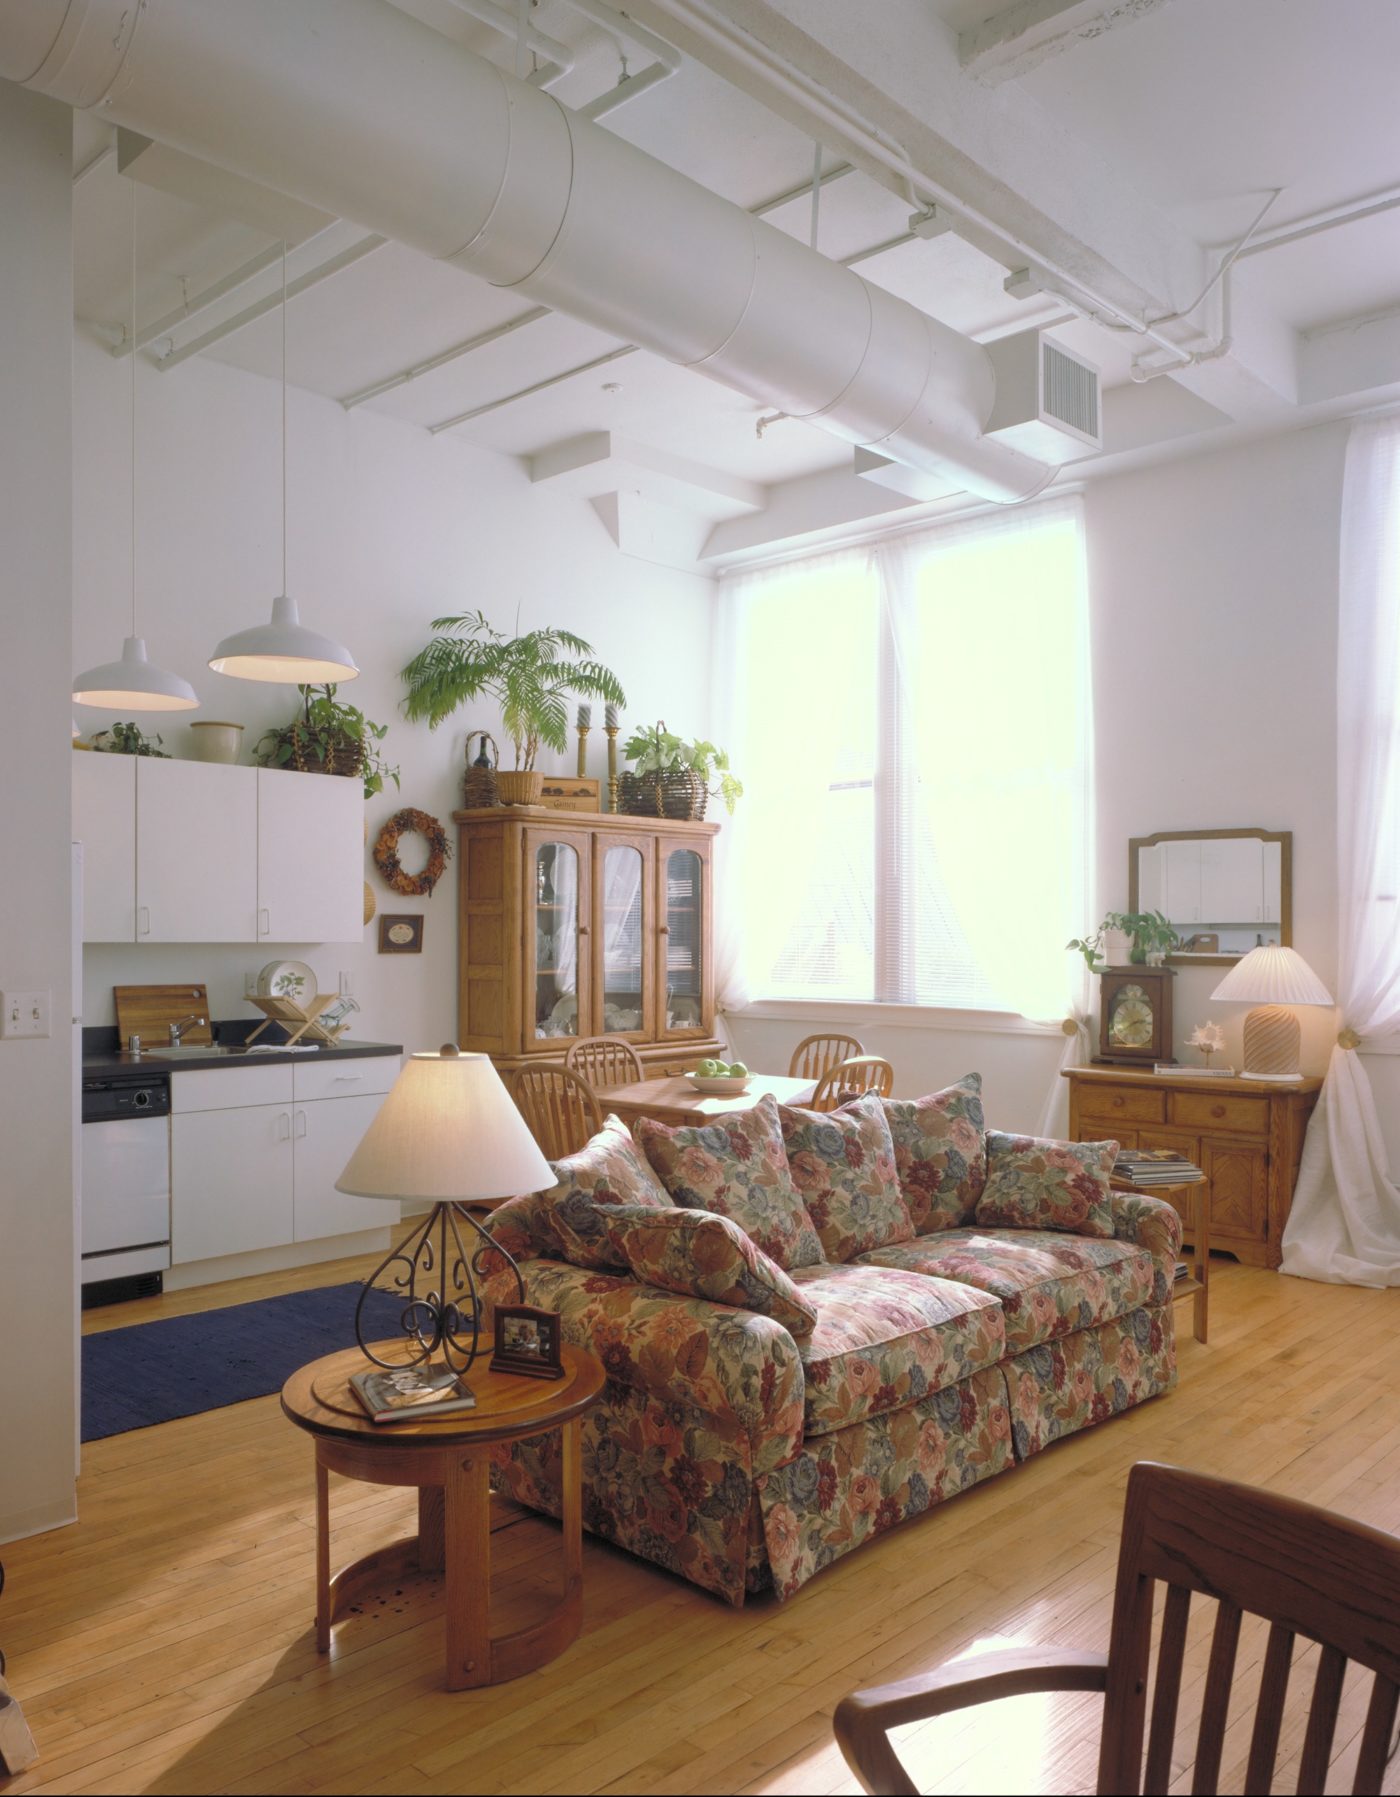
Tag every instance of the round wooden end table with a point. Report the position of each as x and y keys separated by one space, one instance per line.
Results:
x=449 y=1461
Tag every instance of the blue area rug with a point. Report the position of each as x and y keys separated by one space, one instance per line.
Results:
x=153 y=1372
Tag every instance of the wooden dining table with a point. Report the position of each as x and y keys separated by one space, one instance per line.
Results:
x=676 y=1100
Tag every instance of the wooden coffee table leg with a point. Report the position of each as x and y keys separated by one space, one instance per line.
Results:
x=467 y=1543
x=573 y=1508
x=430 y=1524
x=323 y=1556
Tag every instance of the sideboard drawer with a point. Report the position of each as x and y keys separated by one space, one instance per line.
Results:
x=1116 y=1104
x=1201 y=1110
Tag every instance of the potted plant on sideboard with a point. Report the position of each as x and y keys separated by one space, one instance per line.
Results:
x=329 y=738
x=530 y=677
x=671 y=777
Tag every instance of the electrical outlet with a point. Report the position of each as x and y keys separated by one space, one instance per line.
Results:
x=347 y=983
x=25 y=1014
x=250 y=985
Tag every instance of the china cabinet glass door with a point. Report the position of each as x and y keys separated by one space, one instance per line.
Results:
x=556 y=938
x=623 y=908
x=683 y=976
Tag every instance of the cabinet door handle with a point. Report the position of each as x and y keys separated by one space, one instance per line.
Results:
x=301 y=1125
x=264 y=921
x=347 y=1079
x=284 y=1127
x=143 y=920
x=664 y=929
x=1217 y=1110
x=583 y=929
x=1118 y=1101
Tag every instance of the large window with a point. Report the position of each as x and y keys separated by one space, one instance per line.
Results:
x=910 y=721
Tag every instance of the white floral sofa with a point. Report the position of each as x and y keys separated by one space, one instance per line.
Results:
x=817 y=1327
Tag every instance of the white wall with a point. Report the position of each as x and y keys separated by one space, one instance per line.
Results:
x=389 y=528
x=37 y=1282
x=1213 y=587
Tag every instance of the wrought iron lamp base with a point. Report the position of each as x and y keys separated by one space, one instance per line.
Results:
x=437 y=1277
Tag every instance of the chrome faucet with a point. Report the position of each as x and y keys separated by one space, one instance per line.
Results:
x=177 y=1030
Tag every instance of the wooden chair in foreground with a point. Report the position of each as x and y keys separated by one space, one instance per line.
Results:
x=1308 y=1572
x=605 y=1061
x=814 y=1055
x=852 y=1078
x=559 y=1107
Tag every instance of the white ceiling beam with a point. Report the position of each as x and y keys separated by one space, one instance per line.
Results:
x=600 y=462
x=1012 y=42
x=1352 y=357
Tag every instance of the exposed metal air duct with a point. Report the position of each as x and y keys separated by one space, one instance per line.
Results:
x=354 y=107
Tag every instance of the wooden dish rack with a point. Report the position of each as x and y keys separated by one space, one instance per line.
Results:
x=297 y=1019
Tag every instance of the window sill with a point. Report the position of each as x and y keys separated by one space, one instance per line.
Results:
x=901 y=1017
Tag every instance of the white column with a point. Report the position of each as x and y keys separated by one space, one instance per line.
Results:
x=37 y=1288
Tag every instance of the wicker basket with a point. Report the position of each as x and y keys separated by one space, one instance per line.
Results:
x=481 y=785
x=679 y=794
x=517 y=788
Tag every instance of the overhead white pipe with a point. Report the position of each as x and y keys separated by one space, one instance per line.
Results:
x=558 y=58
x=360 y=110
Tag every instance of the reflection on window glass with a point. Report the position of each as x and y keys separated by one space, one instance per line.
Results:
x=622 y=940
x=684 y=897
x=556 y=940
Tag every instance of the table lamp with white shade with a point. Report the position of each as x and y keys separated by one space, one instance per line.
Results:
x=1272 y=979
x=448 y=1134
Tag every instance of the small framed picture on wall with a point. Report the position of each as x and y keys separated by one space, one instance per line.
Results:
x=401 y=933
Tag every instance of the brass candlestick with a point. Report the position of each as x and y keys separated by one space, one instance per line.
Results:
x=611 y=731
x=582 y=750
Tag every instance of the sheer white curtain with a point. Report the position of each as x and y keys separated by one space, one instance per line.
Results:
x=1345 y=1223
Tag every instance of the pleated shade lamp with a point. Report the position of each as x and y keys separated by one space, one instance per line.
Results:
x=1272 y=979
x=448 y=1135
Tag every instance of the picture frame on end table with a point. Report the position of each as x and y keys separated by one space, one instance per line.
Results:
x=527 y=1341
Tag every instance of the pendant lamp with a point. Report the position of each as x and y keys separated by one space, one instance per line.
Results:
x=133 y=683
x=285 y=650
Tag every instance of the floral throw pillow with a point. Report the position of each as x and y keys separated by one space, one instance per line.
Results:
x=607 y=1171
x=1035 y=1184
x=700 y=1254
x=843 y=1166
x=738 y=1168
x=940 y=1151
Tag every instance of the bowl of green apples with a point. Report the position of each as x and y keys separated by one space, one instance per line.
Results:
x=720 y=1079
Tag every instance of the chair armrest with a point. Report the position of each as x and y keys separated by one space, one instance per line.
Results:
x=863 y=1720
x=1153 y=1224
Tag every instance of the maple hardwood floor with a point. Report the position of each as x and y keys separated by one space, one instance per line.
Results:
x=164 y=1644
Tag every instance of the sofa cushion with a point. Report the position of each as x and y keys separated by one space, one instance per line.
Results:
x=738 y=1168
x=940 y=1152
x=1037 y=1184
x=1049 y=1284
x=885 y=1338
x=843 y=1166
x=701 y=1255
x=608 y=1170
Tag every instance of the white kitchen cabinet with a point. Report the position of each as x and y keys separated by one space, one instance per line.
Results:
x=1182 y=882
x=1232 y=880
x=325 y=1134
x=104 y=821
x=230 y=1180
x=196 y=852
x=310 y=857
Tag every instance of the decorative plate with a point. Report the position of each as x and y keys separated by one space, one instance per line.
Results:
x=287 y=979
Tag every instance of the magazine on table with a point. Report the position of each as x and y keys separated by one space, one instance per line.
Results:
x=411 y=1394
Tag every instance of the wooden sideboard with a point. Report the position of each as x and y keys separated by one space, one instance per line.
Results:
x=577 y=924
x=1245 y=1135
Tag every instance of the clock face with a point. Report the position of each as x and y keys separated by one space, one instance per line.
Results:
x=1132 y=1019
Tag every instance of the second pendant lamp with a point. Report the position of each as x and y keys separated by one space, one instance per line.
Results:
x=285 y=650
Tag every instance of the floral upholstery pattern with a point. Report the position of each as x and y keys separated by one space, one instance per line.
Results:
x=848 y=1486
x=701 y=1255
x=940 y=1153
x=1090 y=1376
x=738 y=1168
x=1152 y=1224
x=607 y=1171
x=1049 y=1284
x=843 y=1166
x=885 y=1338
x=1038 y=1184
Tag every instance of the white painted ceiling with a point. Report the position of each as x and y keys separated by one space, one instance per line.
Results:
x=1201 y=107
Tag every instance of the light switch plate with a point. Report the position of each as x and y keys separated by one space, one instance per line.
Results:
x=25 y=1014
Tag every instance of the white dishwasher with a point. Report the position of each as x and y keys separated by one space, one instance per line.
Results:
x=126 y=1184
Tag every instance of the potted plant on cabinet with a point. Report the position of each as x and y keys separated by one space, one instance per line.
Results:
x=530 y=677
x=329 y=738
x=670 y=777
x=1150 y=937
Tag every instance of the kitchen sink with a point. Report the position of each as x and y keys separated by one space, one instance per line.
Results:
x=170 y=1052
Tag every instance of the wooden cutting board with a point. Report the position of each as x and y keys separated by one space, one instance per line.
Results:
x=149 y=1011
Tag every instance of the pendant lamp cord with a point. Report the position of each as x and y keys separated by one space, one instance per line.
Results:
x=284 y=415
x=131 y=351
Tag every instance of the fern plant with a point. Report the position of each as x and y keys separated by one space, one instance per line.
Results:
x=530 y=677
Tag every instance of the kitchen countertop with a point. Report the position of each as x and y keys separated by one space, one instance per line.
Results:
x=113 y=1060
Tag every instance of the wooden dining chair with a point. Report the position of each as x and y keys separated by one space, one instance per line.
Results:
x=1310 y=1574
x=605 y=1061
x=560 y=1108
x=852 y=1078
x=815 y=1054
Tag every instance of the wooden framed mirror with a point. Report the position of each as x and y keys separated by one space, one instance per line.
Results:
x=1223 y=891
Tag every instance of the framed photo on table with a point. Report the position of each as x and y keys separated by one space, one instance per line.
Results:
x=401 y=933
x=527 y=1341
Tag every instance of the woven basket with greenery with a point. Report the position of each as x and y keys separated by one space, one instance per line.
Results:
x=677 y=793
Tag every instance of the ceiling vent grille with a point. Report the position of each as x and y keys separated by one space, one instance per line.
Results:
x=1048 y=401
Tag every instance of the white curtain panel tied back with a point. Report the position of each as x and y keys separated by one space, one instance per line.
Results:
x=366 y=113
x=1345 y=1223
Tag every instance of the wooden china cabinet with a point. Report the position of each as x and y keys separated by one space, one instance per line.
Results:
x=575 y=924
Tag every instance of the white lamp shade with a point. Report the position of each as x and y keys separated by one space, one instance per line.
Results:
x=285 y=651
x=133 y=684
x=1273 y=976
x=448 y=1132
